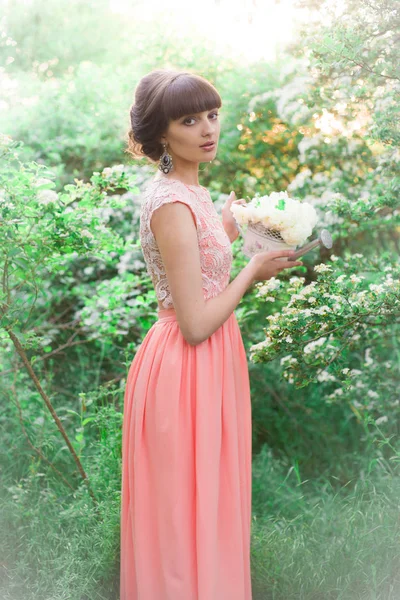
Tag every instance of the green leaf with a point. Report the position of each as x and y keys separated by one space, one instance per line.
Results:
x=281 y=204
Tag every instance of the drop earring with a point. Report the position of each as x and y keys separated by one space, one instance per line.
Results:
x=165 y=164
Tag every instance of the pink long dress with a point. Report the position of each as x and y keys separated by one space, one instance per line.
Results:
x=186 y=456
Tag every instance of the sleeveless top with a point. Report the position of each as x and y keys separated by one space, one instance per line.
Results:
x=214 y=244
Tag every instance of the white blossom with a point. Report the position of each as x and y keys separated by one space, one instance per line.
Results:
x=311 y=346
x=47 y=196
x=368 y=359
x=288 y=359
x=376 y=288
x=325 y=376
x=322 y=268
x=42 y=181
x=269 y=286
x=356 y=279
x=381 y=420
x=261 y=345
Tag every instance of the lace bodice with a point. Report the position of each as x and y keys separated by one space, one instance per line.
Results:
x=214 y=244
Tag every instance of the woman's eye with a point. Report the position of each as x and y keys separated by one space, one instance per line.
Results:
x=185 y=122
x=215 y=115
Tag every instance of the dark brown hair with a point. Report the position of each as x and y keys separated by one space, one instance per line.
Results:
x=162 y=96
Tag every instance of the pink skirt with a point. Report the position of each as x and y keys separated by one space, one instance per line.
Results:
x=186 y=467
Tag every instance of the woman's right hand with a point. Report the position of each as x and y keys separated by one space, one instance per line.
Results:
x=265 y=265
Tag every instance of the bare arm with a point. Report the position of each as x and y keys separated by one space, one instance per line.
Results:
x=175 y=231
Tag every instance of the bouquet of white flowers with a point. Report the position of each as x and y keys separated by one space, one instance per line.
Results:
x=274 y=222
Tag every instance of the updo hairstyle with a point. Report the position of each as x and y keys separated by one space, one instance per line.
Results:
x=162 y=96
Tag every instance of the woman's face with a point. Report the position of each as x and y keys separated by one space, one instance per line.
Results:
x=193 y=138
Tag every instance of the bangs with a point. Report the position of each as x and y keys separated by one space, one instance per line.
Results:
x=189 y=94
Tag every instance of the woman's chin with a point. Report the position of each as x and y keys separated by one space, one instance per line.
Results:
x=209 y=157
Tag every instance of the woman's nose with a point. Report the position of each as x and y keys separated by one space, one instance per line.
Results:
x=208 y=127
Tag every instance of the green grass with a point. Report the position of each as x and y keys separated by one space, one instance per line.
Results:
x=341 y=546
x=309 y=542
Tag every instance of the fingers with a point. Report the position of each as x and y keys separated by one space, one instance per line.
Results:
x=279 y=253
x=294 y=264
x=285 y=265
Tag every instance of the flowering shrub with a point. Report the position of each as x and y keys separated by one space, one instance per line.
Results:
x=342 y=320
x=338 y=325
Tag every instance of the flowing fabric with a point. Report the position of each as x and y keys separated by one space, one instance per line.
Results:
x=186 y=470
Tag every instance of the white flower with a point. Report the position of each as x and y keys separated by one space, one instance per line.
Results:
x=42 y=181
x=47 y=196
x=356 y=279
x=322 y=268
x=295 y=282
x=340 y=279
x=312 y=300
x=308 y=289
x=337 y=392
x=269 y=286
x=381 y=420
x=376 y=288
x=345 y=371
x=322 y=310
x=288 y=339
x=325 y=376
x=368 y=359
x=334 y=258
x=372 y=394
x=257 y=347
x=308 y=348
x=288 y=359
x=5 y=140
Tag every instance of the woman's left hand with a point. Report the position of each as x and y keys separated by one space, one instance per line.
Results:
x=228 y=220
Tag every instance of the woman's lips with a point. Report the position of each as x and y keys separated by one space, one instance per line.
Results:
x=208 y=147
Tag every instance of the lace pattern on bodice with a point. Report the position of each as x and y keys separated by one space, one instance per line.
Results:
x=214 y=244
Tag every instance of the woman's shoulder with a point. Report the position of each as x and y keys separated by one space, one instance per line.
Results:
x=161 y=188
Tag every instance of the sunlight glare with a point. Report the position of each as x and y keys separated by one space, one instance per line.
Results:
x=248 y=29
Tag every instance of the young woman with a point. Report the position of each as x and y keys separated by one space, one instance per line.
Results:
x=186 y=472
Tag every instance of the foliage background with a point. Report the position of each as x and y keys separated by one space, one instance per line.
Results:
x=321 y=121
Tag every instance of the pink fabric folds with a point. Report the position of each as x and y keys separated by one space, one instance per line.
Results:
x=186 y=467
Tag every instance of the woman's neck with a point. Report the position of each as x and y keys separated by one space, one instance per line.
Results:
x=188 y=175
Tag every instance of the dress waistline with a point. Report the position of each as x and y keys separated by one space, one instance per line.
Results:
x=166 y=314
